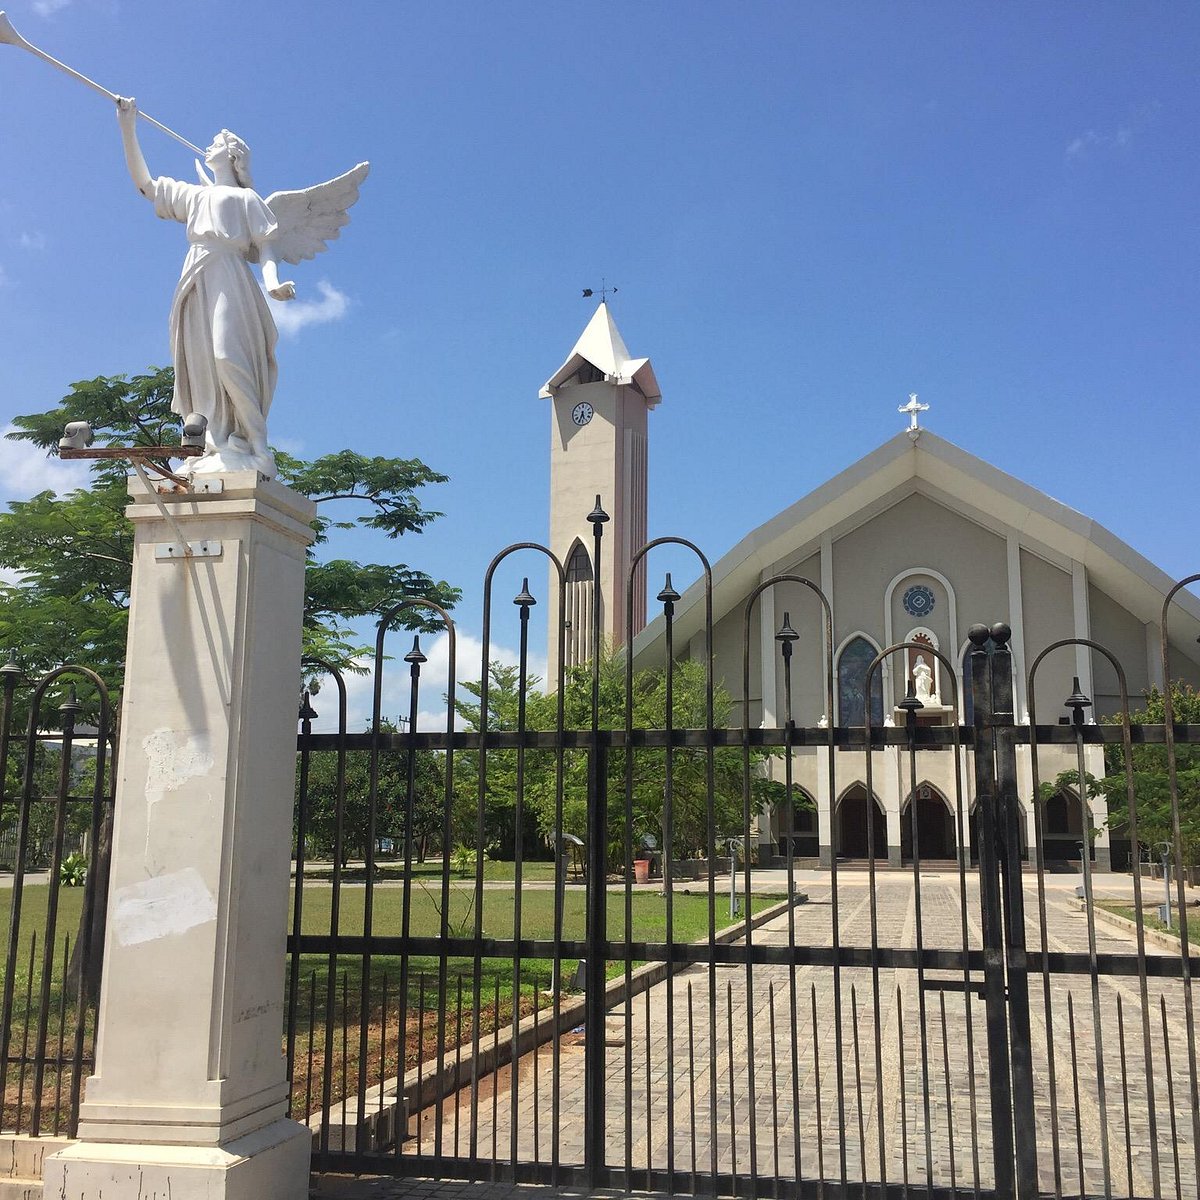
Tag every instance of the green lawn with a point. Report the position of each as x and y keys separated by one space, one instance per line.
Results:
x=1150 y=919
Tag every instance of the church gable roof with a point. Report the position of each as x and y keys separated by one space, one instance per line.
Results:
x=951 y=476
x=601 y=346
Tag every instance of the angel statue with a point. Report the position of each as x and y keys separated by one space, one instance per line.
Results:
x=222 y=332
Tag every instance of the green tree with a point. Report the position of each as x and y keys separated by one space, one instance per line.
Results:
x=1151 y=782
x=690 y=794
x=321 y=807
x=72 y=553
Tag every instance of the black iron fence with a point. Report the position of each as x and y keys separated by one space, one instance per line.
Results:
x=971 y=1023
x=620 y=996
x=56 y=804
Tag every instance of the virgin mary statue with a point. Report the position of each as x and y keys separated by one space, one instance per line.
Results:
x=222 y=333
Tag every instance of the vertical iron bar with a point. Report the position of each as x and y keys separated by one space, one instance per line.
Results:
x=495 y=1073
x=312 y=1018
x=666 y=596
x=24 y=804
x=774 y=1085
x=817 y=1086
x=25 y=1030
x=293 y=1004
x=383 y=1046
x=990 y=911
x=732 y=1092
x=458 y=1070
x=62 y=1027
x=69 y=710
x=524 y=602
x=1171 y=1096
x=692 y=1083
x=903 y=1090
x=345 y=1056
x=1125 y=1095
x=537 y=1041
x=1020 y=1035
x=862 y=1130
x=949 y=1106
x=1185 y=951
x=596 y=937
x=649 y=1103
x=1093 y=967
x=1075 y=1088
x=402 y=1068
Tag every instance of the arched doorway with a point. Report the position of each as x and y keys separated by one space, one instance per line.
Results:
x=853 y=811
x=1022 y=834
x=934 y=826
x=1062 y=828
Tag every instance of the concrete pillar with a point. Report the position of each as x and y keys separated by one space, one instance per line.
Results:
x=189 y=1094
x=892 y=793
x=825 y=814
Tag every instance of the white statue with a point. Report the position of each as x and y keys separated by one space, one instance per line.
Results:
x=923 y=681
x=222 y=332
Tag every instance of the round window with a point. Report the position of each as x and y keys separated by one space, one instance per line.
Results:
x=918 y=601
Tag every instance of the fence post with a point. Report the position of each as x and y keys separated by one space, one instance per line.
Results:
x=597 y=955
x=189 y=1092
x=1008 y=811
x=991 y=917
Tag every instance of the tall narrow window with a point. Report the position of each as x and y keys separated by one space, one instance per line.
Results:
x=578 y=614
x=856 y=656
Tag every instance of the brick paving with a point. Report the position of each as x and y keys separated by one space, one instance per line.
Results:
x=709 y=1088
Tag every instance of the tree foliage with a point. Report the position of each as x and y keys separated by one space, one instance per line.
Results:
x=1151 y=782
x=321 y=800
x=647 y=768
x=70 y=555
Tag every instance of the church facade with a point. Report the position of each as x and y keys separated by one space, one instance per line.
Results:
x=914 y=543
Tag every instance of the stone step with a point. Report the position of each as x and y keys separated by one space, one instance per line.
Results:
x=15 y=1188
x=21 y=1163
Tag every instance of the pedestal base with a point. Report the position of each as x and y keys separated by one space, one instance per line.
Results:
x=269 y=1164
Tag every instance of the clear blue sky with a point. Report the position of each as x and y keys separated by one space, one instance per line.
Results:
x=810 y=211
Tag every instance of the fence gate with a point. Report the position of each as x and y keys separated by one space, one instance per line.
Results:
x=932 y=1012
x=56 y=806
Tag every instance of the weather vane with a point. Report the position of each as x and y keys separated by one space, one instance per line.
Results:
x=604 y=291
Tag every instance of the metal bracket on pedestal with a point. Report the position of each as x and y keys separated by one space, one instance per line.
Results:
x=168 y=551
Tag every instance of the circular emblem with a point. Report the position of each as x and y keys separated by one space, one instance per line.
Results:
x=582 y=413
x=918 y=601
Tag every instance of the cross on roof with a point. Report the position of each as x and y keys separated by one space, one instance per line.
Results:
x=911 y=409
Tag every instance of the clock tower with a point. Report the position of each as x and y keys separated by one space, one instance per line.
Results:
x=600 y=400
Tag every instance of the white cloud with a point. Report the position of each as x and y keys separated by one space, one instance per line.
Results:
x=291 y=316
x=47 y=8
x=25 y=470
x=435 y=673
x=1097 y=141
x=10 y=575
x=32 y=241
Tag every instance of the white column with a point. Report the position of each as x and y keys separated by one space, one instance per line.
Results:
x=1083 y=627
x=827 y=588
x=189 y=1094
x=1016 y=622
x=767 y=651
x=1154 y=670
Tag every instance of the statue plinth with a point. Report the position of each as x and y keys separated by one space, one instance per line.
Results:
x=189 y=1095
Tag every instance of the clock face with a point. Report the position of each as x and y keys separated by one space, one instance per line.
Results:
x=582 y=413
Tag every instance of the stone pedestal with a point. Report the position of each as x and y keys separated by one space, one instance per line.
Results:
x=189 y=1094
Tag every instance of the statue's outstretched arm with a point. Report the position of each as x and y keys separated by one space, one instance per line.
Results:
x=127 y=112
x=270 y=274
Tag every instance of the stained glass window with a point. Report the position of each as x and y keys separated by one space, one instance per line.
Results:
x=856 y=656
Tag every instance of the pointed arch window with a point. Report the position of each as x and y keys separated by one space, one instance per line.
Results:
x=853 y=662
x=578 y=614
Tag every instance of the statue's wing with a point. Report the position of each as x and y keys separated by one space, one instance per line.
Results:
x=310 y=218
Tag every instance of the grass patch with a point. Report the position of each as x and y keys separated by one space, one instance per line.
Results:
x=1150 y=919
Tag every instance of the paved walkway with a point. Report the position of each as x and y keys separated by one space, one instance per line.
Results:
x=716 y=1071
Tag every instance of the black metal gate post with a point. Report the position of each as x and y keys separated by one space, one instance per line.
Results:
x=594 y=974
x=1008 y=812
x=990 y=903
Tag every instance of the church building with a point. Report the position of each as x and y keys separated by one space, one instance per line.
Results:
x=915 y=542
